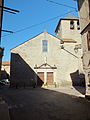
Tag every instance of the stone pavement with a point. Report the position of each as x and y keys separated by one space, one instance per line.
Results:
x=4 y=112
x=77 y=91
x=46 y=104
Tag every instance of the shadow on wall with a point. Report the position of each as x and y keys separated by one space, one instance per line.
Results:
x=78 y=80
x=21 y=74
x=4 y=75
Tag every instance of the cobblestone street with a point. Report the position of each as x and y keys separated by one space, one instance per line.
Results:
x=46 y=104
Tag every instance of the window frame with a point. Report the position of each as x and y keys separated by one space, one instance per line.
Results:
x=44 y=45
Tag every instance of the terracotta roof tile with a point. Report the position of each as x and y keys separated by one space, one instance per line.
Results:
x=5 y=63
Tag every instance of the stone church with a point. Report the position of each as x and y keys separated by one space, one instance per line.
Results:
x=47 y=59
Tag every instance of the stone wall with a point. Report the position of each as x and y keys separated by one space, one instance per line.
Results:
x=25 y=56
x=84 y=12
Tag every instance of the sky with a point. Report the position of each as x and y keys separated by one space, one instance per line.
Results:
x=33 y=18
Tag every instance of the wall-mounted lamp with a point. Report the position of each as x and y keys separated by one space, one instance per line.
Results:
x=76 y=50
x=77 y=47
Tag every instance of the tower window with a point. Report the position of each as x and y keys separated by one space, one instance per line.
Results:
x=44 y=45
x=78 y=25
x=71 y=24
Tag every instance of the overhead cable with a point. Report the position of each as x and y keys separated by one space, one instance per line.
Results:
x=62 y=4
x=35 y=25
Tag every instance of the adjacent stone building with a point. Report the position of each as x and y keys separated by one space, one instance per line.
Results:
x=47 y=59
x=6 y=66
x=5 y=70
x=84 y=12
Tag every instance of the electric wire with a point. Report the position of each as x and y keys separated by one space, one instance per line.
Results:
x=35 y=25
x=62 y=4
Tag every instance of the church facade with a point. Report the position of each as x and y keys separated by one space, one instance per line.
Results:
x=46 y=60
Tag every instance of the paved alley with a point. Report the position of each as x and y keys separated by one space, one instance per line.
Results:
x=45 y=104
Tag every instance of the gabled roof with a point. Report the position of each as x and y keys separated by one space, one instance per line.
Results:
x=71 y=17
x=34 y=37
x=25 y=41
x=68 y=17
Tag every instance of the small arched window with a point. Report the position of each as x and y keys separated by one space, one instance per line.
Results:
x=78 y=25
x=71 y=24
x=44 y=45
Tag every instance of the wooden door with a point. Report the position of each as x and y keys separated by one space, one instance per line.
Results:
x=50 y=77
x=40 y=80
